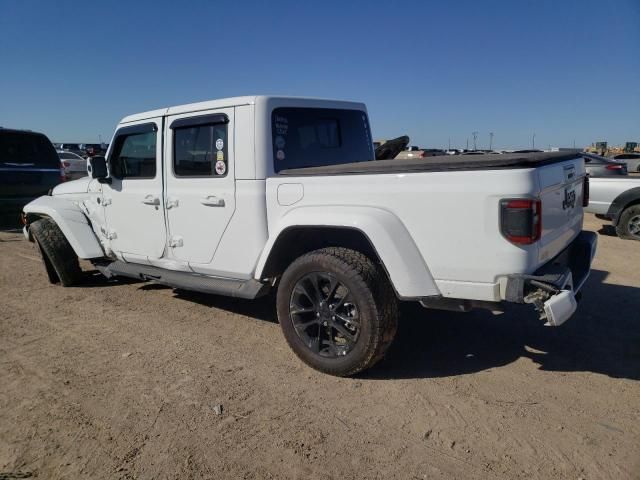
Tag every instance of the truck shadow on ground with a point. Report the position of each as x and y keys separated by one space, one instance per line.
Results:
x=608 y=230
x=603 y=336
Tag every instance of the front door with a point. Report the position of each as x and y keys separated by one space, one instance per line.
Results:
x=133 y=201
x=200 y=194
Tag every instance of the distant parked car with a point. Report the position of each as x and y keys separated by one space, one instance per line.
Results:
x=70 y=147
x=417 y=152
x=74 y=165
x=599 y=166
x=92 y=149
x=473 y=152
x=631 y=159
x=618 y=200
x=29 y=168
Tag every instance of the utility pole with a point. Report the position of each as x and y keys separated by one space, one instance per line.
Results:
x=533 y=141
x=475 y=138
x=490 y=140
x=449 y=143
x=467 y=144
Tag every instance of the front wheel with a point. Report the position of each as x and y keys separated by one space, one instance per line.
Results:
x=60 y=261
x=337 y=310
x=629 y=223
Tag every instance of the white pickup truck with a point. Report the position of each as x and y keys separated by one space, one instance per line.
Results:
x=240 y=196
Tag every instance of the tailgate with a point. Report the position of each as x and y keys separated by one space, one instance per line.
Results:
x=561 y=193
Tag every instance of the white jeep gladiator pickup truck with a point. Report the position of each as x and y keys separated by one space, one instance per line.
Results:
x=240 y=196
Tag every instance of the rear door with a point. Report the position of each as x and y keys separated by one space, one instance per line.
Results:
x=200 y=187
x=561 y=186
x=133 y=201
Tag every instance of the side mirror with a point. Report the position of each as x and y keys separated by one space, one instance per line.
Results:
x=97 y=168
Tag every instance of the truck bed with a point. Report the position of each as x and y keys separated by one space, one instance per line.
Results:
x=438 y=164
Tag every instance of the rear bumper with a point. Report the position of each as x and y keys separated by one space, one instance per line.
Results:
x=552 y=289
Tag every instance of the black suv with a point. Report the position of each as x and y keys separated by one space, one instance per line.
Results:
x=29 y=168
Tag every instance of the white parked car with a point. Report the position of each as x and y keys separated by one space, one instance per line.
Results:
x=242 y=196
x=631 y=159
x=74 y=165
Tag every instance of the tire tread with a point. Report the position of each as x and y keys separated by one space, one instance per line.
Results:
x=61 y=261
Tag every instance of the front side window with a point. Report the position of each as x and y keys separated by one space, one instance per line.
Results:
x=200 y=151
x=313 y=137
x=134 y=155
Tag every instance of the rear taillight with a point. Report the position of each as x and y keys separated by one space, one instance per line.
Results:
x=614 y=167
x=585 y=191
x=66 y=164
x=521 y=220
x=63 y=175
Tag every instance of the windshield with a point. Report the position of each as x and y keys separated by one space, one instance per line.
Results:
x=311 y=137
x=27 y=149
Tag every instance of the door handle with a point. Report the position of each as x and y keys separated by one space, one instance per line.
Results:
x=212 y=201
x=151 y=200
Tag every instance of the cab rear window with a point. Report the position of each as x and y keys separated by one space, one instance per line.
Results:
x=27 y=149
x=312 y=137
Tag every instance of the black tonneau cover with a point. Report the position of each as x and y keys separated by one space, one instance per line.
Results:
x=439 y=164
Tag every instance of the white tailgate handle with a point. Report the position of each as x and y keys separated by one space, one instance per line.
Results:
x=212 y=201
x=151 y=200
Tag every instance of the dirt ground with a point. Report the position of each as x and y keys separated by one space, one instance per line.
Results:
x=121 y=380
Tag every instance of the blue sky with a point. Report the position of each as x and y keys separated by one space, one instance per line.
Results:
x=564 y=69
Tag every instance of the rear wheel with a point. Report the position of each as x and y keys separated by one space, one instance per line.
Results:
x=629 y=223
x=337 y=310
x=60 y=261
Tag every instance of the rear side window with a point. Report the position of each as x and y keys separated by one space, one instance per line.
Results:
x=311 y=137
x=27 y=149
x=134 y=155
x=200 y=151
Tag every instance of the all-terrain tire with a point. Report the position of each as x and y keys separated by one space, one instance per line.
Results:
x=372 y=295
x=60 y=261
x=628 y=219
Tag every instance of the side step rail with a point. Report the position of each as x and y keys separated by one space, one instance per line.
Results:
x=230 y=287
